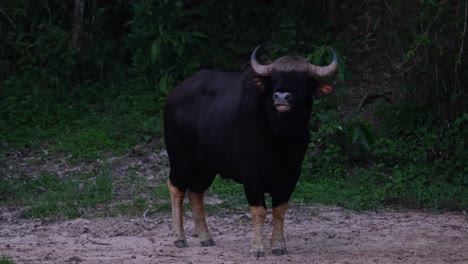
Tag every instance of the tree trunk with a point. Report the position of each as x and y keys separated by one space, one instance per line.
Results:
x=77 y=39
x=331 y=8
x=77 y=24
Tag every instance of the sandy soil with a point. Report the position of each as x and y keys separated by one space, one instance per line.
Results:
x=315 y=234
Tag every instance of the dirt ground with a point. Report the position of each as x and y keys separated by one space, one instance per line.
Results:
x=314 y=234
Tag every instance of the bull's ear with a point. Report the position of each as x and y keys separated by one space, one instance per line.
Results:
x=323 y=89
x=260 y=83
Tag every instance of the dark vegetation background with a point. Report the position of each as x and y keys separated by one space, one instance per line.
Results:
x=88 y=78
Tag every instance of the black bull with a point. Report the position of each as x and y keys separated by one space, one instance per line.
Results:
x=251 y=127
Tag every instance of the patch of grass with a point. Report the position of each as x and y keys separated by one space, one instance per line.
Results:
x=337 y=192
x=410 y=160
x=139 y=205
x=136 y=185
x=52 y=196
x=87 y=124
x=134 y=207
x=411 y=186
x=230 y=192
x=6 y=260
x=141 y=197
x=416 y=186
x=160 y=191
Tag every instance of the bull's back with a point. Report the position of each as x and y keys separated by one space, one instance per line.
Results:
x=202 y=97
x=200 y=118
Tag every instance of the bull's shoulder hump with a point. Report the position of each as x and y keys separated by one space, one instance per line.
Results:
x=206 y=77
x=209 y=80
x=217 y=74
x=204 y=82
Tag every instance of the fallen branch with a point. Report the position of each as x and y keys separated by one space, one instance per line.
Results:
x=100 y=243
x=149 y=220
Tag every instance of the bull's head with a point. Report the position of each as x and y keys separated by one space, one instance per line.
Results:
x=292 y=77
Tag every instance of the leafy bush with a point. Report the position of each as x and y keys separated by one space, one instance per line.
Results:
x=412 y=160
x=429 y=52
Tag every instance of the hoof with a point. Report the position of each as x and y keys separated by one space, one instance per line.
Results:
x=181 y=243
x=279 y=252
x=208 y=243
x=258 y=254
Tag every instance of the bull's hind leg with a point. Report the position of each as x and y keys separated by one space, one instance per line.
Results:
x=278 y=246
x=177 y=199
x=196 y=203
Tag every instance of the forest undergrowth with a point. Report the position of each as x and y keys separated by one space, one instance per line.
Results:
x=393 y=134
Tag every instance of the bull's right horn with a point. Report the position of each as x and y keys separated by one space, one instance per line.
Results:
x=324 y=71
x=263 y=70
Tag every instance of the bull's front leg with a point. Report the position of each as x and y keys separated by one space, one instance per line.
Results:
x=278 y=246
x=258 y=214
x=255 y=195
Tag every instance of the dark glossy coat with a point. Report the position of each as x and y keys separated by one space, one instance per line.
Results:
x=225 y=123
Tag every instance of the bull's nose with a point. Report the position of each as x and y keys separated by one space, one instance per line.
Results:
x=282 y=96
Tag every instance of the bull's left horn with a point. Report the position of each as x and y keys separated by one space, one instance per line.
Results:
x=324 y=71
x=263 y=70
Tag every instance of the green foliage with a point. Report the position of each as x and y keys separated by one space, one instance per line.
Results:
x=428 y=162
x=166 y=41
x=230 y=192
x=349 y=140
x=357 y=193
x=6 y=260
x=51 y=196
x=140 y=196
x=88 y=125
x=173 y=40
x=430 y=41
x=322 y=56
x=109 y=94
x=413 y=160
x=134 y=207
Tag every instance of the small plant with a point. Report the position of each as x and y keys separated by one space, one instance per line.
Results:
x=6 y=260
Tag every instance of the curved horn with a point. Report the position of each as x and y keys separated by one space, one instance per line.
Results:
x=263 y=70
x=324 y=71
